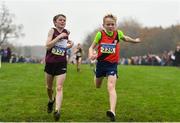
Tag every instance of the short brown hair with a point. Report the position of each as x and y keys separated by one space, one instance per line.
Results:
x=56 y=17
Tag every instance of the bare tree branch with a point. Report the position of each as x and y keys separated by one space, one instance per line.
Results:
x=8 y=30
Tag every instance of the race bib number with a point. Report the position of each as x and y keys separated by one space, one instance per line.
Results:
x=58 y=51
x=108 y=48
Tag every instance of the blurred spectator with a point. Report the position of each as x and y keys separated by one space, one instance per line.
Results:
x=8 y=54
x=68 y=55
x=177 y=56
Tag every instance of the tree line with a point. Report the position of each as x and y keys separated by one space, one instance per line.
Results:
x=155 y=40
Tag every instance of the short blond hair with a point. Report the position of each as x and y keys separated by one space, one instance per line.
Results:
x=110 y=16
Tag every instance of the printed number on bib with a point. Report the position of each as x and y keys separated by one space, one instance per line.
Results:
x=108 y=48
x=58 y=51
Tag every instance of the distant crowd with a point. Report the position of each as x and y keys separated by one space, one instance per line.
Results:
x=171 y=58
x=164 y=59
x=10 y=57
x=167 y=58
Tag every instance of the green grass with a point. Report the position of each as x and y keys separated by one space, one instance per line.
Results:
x=145 y=93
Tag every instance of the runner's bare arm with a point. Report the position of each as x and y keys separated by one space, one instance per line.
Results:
x=50 y=43
x=91 y=54
x=131 y=40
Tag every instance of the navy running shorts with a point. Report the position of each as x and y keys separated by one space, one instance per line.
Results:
x=104 y=68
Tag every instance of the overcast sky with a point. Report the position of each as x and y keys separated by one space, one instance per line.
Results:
x=83 y=16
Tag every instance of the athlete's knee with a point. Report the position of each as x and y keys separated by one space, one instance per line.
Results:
x=111 y=86
x=98 y=84
x=59 y=88
x=50 y=90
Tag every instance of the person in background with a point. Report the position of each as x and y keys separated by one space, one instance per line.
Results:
x=177 y=55
x=78 y=53
x=68 y=55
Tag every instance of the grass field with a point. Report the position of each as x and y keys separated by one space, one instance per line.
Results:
x=145 y=93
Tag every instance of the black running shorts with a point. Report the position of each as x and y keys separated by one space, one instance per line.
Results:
x=56 y=68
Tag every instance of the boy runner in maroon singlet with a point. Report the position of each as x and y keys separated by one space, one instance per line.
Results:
x=56 y=63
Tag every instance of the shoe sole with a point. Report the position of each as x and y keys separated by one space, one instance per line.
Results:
x=110 y=115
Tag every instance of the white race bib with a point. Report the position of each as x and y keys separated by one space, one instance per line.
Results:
x=108 y=48
x=58 y=51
